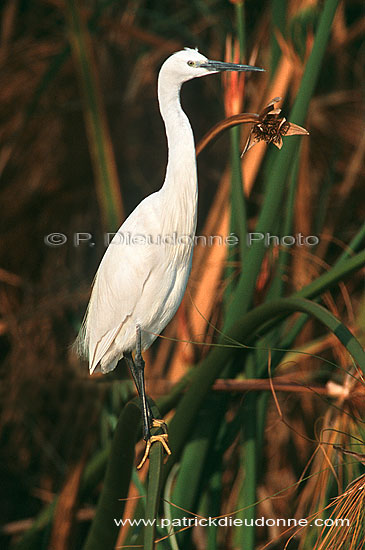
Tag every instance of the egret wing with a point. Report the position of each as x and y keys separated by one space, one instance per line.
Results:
x=118 y=286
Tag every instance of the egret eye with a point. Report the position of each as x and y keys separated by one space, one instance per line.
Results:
x=191 y=63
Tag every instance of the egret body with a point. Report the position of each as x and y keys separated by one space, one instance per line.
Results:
x=142 y=277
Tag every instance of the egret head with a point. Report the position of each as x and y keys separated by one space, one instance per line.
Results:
x=187 y=64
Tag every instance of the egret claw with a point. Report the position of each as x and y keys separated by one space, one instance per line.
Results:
x=156 y=423
x=164 y=442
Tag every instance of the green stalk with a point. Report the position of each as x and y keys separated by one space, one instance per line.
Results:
x=278 y=18
x=313 y=290
x=324 y=282
x=281 y=167
x=241 y=28
x=144 y=536
x=332 y=277
x=245 y=537
x=195 y=462
x=354 y=245
x=103 y=531
x=238 y=224
x=156 y=458
x=238 y=204
x=245 y=330
x=324 y=194
x=101 y=150
x=277 y=286
x=212 y=504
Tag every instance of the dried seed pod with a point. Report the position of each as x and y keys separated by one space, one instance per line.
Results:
x=271 y=127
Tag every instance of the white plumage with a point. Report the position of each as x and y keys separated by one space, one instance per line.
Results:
x=143 y=284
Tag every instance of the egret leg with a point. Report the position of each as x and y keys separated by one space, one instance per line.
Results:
x=148 y=419
x=139 y=365
x=134 y=372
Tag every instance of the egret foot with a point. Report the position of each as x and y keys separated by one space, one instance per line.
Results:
x=162 y=438
x=157 y=423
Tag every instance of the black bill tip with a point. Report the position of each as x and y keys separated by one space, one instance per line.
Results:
x=219 y=66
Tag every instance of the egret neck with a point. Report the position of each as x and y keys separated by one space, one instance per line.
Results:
x=180 y=188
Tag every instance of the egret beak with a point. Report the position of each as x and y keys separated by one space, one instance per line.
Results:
x=219 y=66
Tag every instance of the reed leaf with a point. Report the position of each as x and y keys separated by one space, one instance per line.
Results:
x=281 y=166
x=103 y=531
x=278 y=19
x=101 y=150
x=244 y=330
x=196 y=462
x=153 y=494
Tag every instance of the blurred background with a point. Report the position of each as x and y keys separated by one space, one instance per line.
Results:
x=82 y=142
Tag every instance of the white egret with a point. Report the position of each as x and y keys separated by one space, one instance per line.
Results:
x=142 y=277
